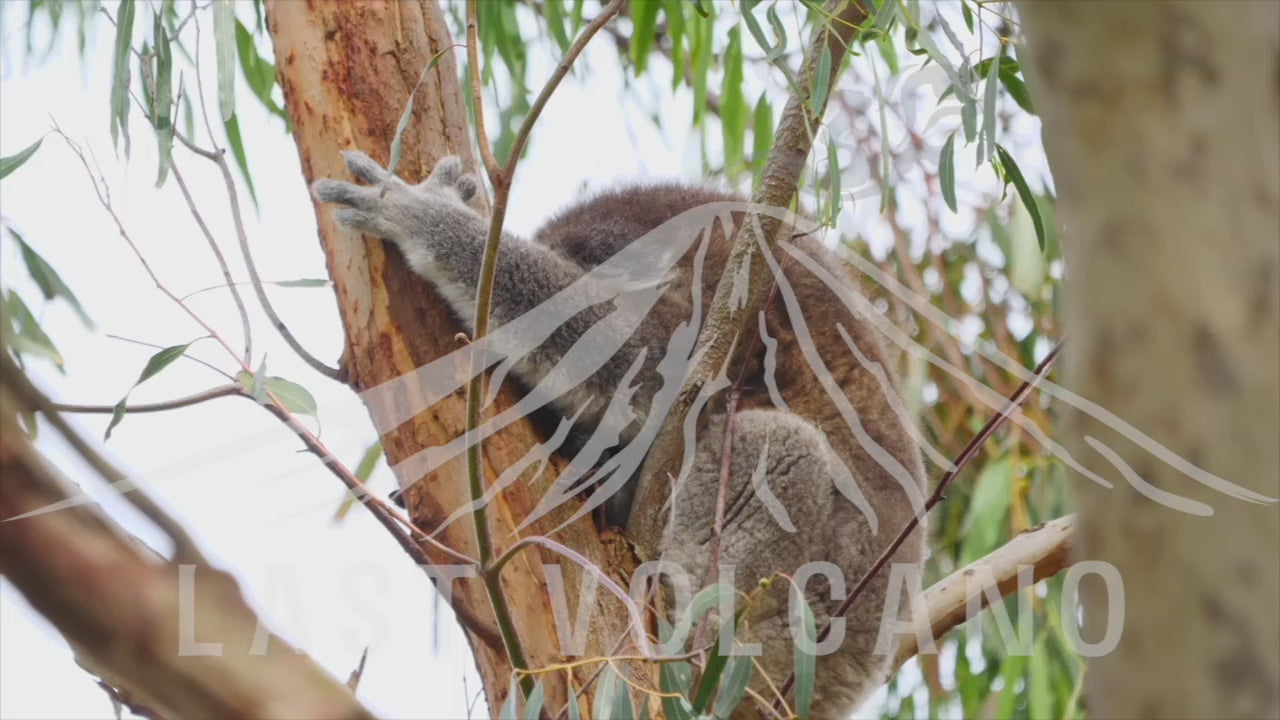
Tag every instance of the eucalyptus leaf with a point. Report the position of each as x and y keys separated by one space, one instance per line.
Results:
x=48 y=280
x=533 y=706
x=644 y=21
x=162 y=102
x=1024 y=191
x=293 y=396
x=120 y=73
x=224 y=41
x=733 y=685
x=805 y=661
x=947 y=171
x=12 y=162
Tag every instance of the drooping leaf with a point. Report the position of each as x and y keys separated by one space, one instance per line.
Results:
x=50 y=283
x=987 y=136
x=533 y=707
x=1014 y=174
x=805 y=661
x=301 y=282
x=703 y=45
x=947 y=171
x=1011 y=670
x=833 y=179
x=1039 y=696
x=397 y=140
x=968 y=15
x=162 y=102
x=224 y=41
x=674 y=11
x=733 y=685
x=242 y=160
x=762 y=135
x=13 y=162
x=258 y=72
x=556 y=23
x=675 y=680
x=733 y=108
x=1017 y=89
x=120 y=74
x=644 y=20
x=28 y=336
x=821 y=82
x=606 y=693
x=575 y=712
x=985 y=521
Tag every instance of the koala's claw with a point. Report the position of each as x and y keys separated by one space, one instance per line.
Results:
x=448 y=175
x=364 y=167
x=344 y=193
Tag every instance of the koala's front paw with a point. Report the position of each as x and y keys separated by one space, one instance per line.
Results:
x=389 y=207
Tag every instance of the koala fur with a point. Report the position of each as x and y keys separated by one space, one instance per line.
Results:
x=796 y=432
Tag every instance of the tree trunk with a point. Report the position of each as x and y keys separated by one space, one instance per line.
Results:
x=347 y=70
x=1162 y=125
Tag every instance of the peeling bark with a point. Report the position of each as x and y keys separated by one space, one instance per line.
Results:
x=347 y=70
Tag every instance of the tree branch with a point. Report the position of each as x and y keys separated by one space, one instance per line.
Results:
x=1047 y=549
x=219 y=158
x=188 y=401
x=127 y=615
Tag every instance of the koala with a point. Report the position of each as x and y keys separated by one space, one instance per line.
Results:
x=824 y=466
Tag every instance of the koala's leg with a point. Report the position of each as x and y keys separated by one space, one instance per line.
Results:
x=443 y=240
x=782 y=513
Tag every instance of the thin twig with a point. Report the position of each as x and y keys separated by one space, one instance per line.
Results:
x=477 y=102
x=185 y=356
x=219 y=158
x=187 y=401
x=967 y=454
x=501 y=181
x=222 y=262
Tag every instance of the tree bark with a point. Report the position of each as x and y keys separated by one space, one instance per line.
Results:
x=347 y=70
x=1162 y=125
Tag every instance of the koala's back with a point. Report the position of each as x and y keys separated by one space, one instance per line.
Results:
x=816 y=365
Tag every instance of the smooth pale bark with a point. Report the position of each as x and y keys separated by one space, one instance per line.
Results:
x=1162 y=126
x=347 y=69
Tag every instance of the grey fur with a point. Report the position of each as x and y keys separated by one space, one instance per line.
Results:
x=782 y=507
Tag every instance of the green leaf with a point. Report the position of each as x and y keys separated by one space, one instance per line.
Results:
x=397 y=140
x=293 y=396
x=1026 y=265
x=1011 y=671
x=575 y=712
x=300 y=282
x=1014 y=174
x=753 y=25
x=885 y=15
x=606 y=693
x=833 y=179
x=674 y=11
x=805 y=661
x=159 y=361
x=237 y=151
x=968 y=15
x=533 y=707
x=117 y=414
x=1017 y=90
x=676 y=678
x=369 y=461
x=28 y=337
x=703 y=45
x=1039 y=697
x=985 y=520
x=733 y=107
x=623 y=709
x=15 y=161
x=258 y=72
x=762 y=135
x=224 y=40
x=120 y=74
x=969 y=118
x=556 y=23
x=644 y=19
x=50 y=283
x=733 y=685
x=162 y=102
x=821 y=82
x=987 y=139
x=947 y=171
